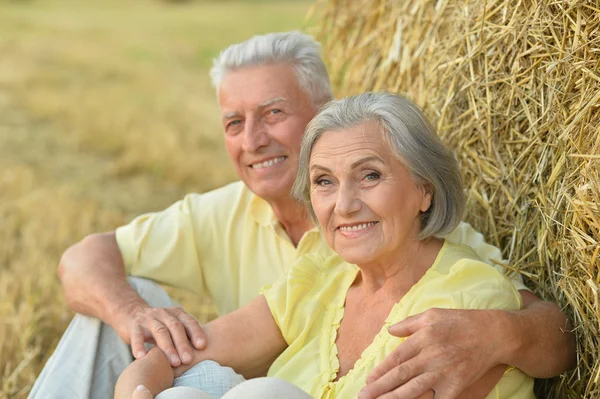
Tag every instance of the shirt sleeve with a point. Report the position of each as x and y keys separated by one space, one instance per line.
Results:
x=289 y=297
x=474 y=285
x=163 y=246
x=465 y=234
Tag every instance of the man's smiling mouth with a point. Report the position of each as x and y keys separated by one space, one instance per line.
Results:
x=267 y=163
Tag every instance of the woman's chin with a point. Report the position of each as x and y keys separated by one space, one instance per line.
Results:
x=357 y=257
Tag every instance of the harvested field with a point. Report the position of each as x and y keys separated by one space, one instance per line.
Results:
x=106 y=112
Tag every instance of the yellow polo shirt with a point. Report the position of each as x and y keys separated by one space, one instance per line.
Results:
x=227 y=244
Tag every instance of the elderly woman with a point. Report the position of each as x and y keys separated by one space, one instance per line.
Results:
x=382 y=188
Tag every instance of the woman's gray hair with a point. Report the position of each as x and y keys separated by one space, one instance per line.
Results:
x=411 y=138
x=301 y=51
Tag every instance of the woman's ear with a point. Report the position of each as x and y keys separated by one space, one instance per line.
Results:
x=427 y=197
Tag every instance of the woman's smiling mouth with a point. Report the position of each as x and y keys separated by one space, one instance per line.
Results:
x=355 y=229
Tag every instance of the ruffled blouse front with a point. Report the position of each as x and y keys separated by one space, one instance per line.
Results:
x=308 y=307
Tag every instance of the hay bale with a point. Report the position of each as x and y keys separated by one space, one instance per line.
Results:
x=514 y=88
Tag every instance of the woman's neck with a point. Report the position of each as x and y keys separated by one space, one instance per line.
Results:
x=397 y=273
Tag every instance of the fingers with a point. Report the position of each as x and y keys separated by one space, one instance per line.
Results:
x=192 y=328
x=141 y=392
x=165 y=338
x=407 y=350
x=171 y=329
x=408 y=326
x=137 y=342
x=394 y=378
x=414 y=388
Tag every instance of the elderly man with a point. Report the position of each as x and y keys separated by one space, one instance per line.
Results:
x=229 y=242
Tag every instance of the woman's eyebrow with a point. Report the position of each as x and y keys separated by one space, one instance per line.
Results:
x=317 y=166
x=365 y=160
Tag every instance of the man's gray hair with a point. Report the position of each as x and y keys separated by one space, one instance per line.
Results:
x=411 y=138
x=299 y=50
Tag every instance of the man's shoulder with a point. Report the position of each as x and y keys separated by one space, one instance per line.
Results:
x=229 y=191
x=228 y=197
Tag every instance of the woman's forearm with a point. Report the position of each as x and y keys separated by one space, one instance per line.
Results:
x=153 y=371
x=248 y=340
x=540 y=341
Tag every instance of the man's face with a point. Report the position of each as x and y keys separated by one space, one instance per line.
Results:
x=264 y=113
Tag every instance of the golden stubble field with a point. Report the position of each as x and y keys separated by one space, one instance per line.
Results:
x=106 y=112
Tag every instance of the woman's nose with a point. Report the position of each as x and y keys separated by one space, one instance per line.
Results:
x=348 y=200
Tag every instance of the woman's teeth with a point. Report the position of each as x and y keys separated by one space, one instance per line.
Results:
x=357 y=227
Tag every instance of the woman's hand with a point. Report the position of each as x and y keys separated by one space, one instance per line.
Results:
x=141 y=392
x=152 y=373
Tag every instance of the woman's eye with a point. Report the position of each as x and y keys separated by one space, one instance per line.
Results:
x=322 y=182
x=372 y=176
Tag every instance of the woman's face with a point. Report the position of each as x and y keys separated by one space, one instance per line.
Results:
x=364 y=198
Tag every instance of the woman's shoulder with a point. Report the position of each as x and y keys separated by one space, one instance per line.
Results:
x=453 y=257
x=315 y=266
x=473 y=284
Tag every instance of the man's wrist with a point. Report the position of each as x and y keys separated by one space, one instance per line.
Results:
x=509 y=340
x=123 y=311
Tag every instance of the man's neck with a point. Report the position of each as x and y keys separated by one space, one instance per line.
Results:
x=293 y=217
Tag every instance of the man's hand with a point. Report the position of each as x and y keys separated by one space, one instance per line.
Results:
x=171 y=329
x=446 y=351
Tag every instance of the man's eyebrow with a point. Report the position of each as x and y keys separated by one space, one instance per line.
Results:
x=271 y=102
x=230 y=115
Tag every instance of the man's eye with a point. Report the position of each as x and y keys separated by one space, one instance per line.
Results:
x=233 y=124
x=275 y=111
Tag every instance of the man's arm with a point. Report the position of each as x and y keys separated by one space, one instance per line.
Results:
x=93 y=277
x=448 y=350
x=544 y=344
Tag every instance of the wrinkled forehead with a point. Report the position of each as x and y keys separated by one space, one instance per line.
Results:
x=368 y=133
x=258 y=84
x=363 y=139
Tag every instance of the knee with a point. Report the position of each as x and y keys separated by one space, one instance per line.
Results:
x=210 y=377
x=266 y=388
x=183 y=393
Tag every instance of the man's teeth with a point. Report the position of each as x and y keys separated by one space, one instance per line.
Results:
x=357 y=227
x=270 y=162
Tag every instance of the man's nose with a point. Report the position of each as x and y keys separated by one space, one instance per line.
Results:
x=348 y=200
x=255 y=135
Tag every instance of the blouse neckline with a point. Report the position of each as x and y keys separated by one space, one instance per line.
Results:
x=337 y=314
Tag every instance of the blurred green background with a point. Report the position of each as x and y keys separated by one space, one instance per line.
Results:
x=106 y=112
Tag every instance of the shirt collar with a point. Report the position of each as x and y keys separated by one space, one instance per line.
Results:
x=261 y=211
x=263 y=214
